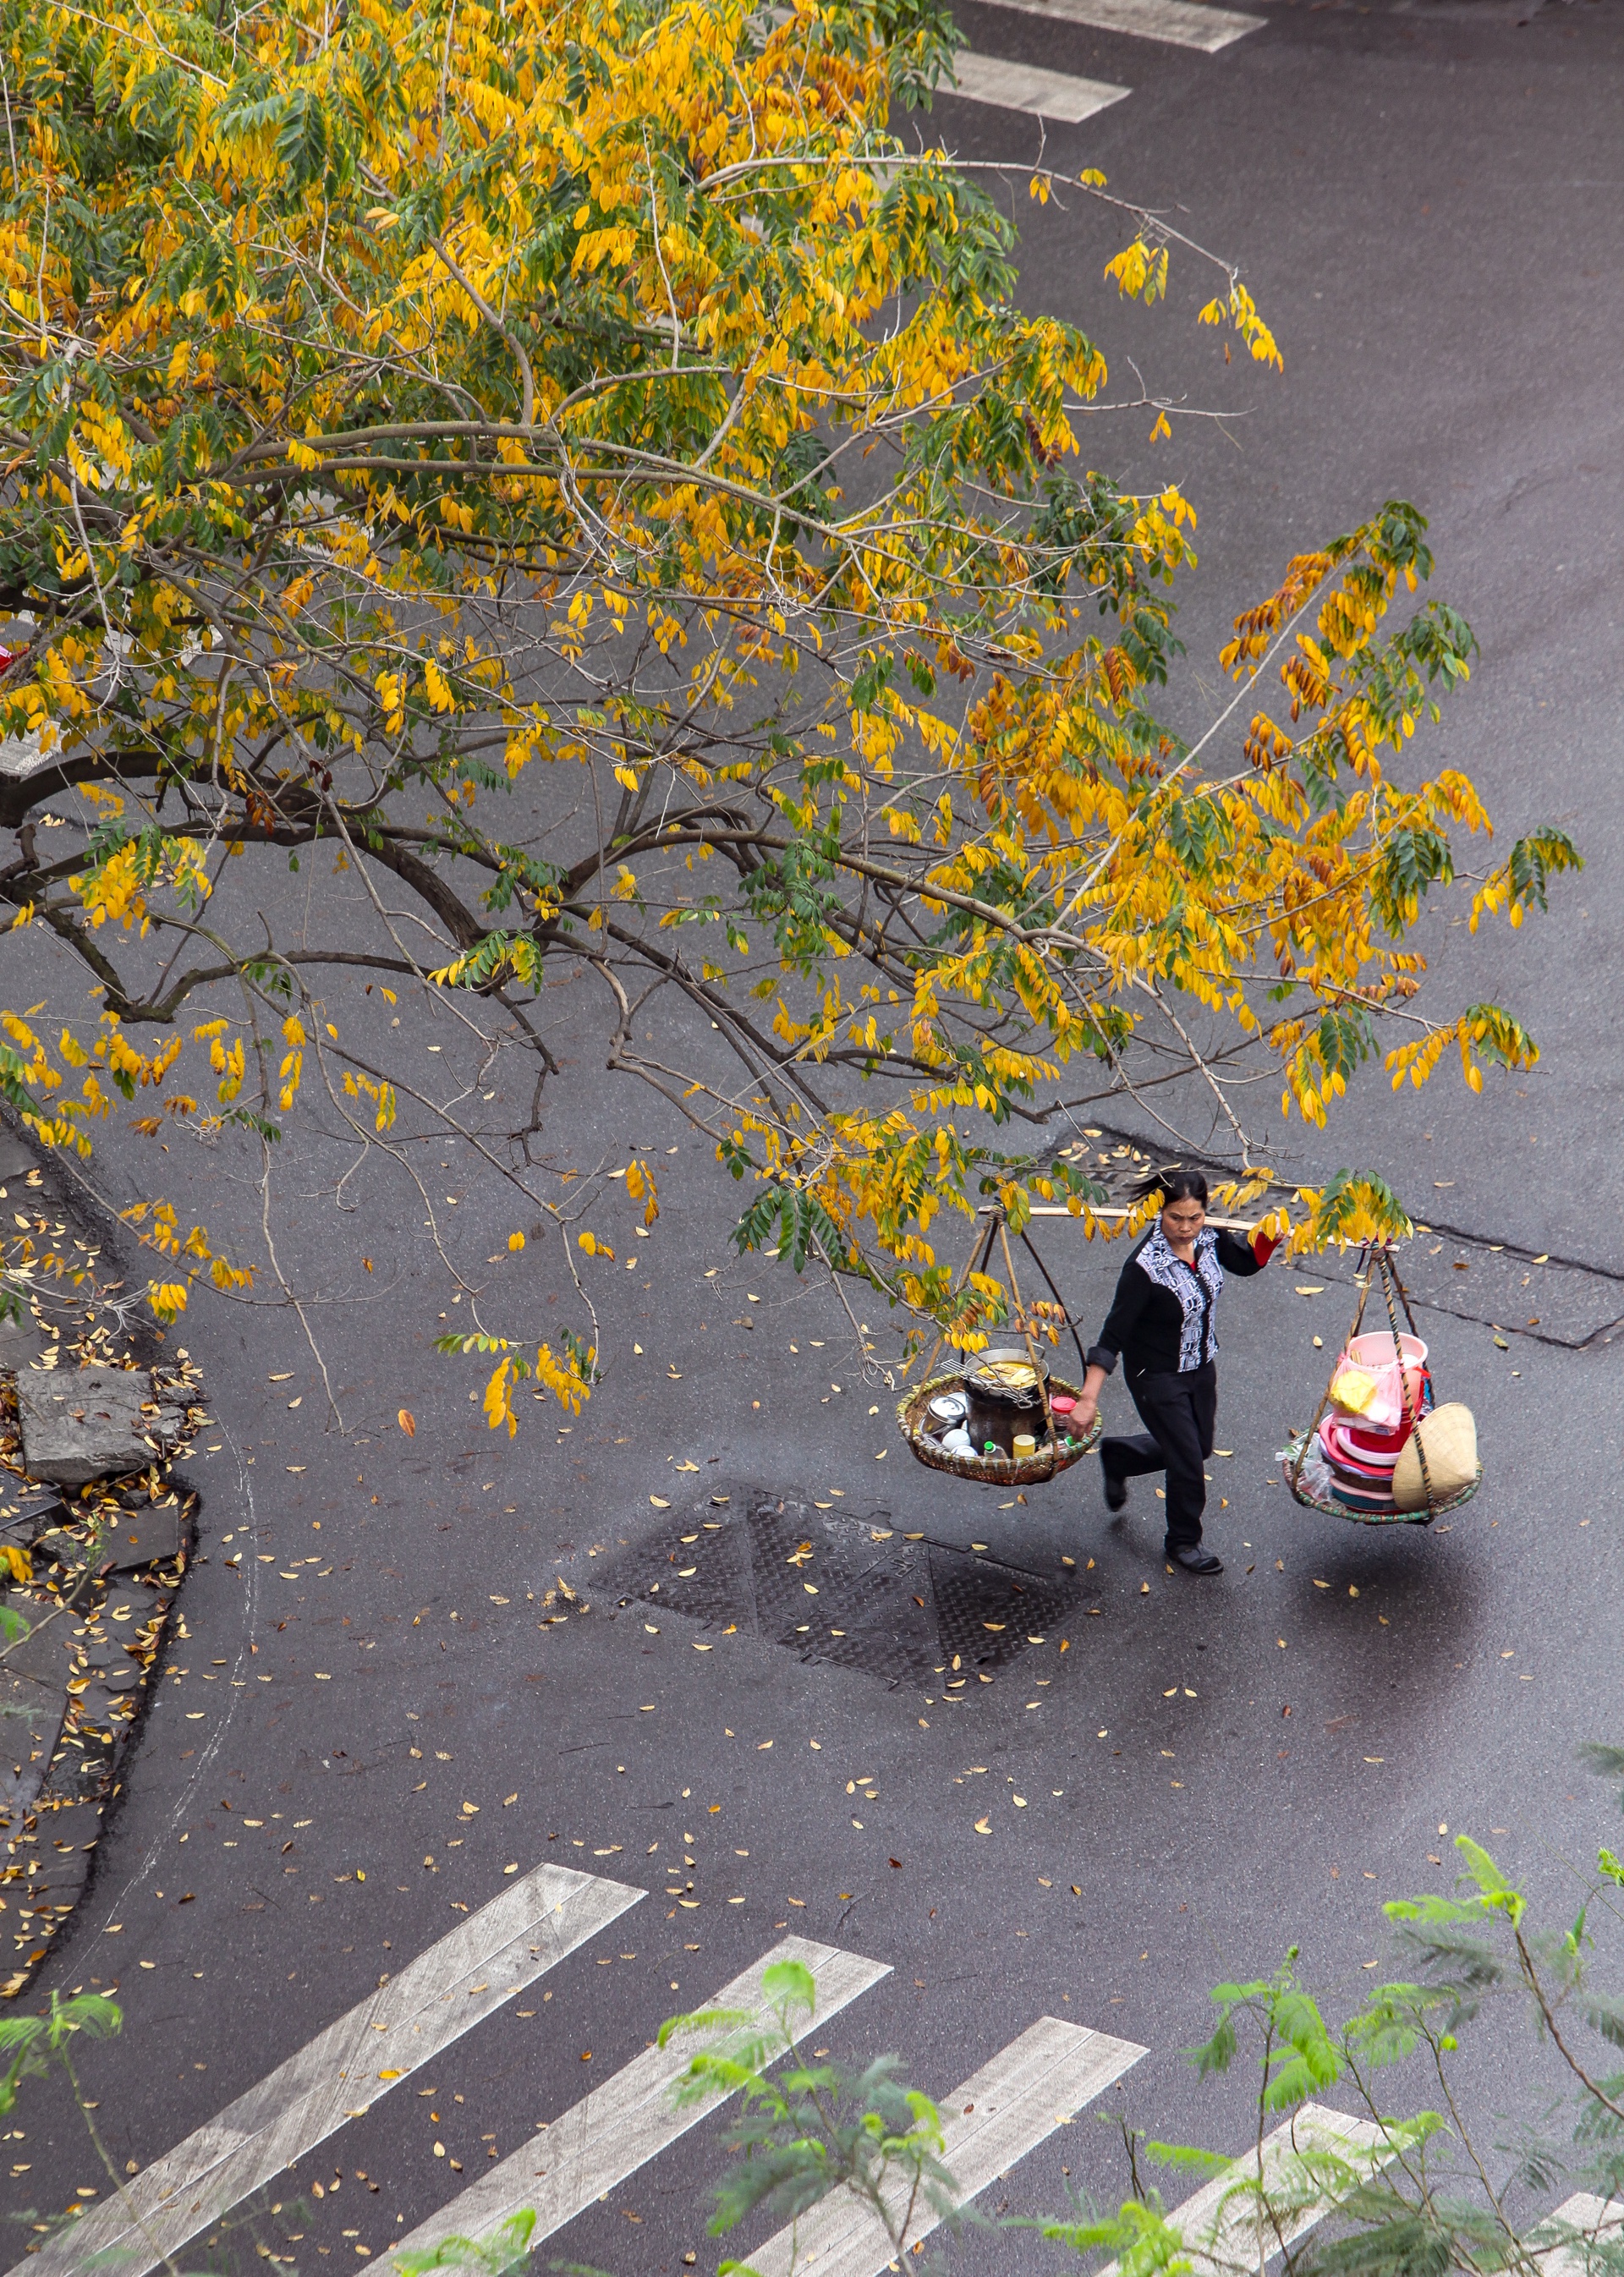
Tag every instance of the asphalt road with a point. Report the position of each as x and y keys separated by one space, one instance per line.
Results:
x=1425 y=200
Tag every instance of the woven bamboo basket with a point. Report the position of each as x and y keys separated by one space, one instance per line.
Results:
x=1376 y=1263
x=1422 y=1517
x=990 y=1470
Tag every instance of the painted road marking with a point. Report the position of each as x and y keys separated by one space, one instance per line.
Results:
x=438 y=1997
x=1038 y=2083
x=1600 y=2217
x=1027 y=87
x=631 y=2118
x=1177 y=23
x=1219 y=2225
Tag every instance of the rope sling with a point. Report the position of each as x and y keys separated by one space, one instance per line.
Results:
x=1053 y=1454
x=1376 y=1260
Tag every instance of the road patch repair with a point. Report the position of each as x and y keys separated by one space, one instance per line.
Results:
x=1509 y=1288
x=93 y=1539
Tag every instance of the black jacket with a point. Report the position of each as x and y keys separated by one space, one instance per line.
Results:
x=1162 y=1330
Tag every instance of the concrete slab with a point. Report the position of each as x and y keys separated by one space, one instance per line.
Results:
x=143 y=1537
x=86 y=1425
x=31 y=1713
x=16 y=1157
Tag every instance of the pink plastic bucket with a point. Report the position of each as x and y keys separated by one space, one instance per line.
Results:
x=1374 y=1354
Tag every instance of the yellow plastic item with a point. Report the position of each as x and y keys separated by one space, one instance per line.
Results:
x=1353 y=1389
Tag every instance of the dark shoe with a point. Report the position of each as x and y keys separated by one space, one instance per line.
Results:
x=1115 y=1488
x=1192 y=1557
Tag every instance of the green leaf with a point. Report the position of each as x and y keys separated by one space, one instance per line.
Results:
x=1186 y=2156
x=703 y=2020
x=1497 y=1892
x=789 y=1984
x=1217 y=2054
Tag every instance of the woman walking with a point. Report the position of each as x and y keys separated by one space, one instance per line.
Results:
x=1163 y=1323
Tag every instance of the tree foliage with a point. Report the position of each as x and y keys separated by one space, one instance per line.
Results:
x=577 y=477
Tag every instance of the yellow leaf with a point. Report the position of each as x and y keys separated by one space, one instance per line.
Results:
x=498 y=1401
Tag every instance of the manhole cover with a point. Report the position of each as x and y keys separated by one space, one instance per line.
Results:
x=845 y=1587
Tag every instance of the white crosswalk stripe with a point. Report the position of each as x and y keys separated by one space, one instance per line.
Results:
x=632 y=2117
x=998 y=2114
x=1174 y=23
x=1219 y=2226
x=442 y=1994
x=992 y=2121
x=1028 y=87
x=1602 y=2217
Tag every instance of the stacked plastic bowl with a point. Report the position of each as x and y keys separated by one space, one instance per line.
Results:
x=1363 y=1431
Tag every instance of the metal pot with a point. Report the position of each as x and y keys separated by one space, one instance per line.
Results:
x=1005 y=1390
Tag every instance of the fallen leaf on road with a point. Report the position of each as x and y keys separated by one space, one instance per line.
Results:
x=407 y=1422
x=659 y=1504
x=983 y=1826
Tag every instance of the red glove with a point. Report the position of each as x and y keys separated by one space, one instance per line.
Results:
x=1264 y=1245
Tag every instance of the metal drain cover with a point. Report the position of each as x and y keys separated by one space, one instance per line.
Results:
x=843 y=1587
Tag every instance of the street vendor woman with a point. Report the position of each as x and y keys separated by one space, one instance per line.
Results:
x=1164 y=1324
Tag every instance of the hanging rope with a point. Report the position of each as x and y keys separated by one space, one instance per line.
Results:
x=1361 y=1282
x=1081 y=1355
x=1052 y=1454
x=980 y=1249
x=1375 y=1260
x=1039 y=1368
x=1389 y=1278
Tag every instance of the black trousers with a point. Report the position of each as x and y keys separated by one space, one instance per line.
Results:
x=1179 y=1414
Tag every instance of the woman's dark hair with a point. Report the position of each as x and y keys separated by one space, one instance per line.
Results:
x=1173 y=1183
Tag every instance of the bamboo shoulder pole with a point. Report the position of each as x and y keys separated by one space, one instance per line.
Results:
x=1115 y=1209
